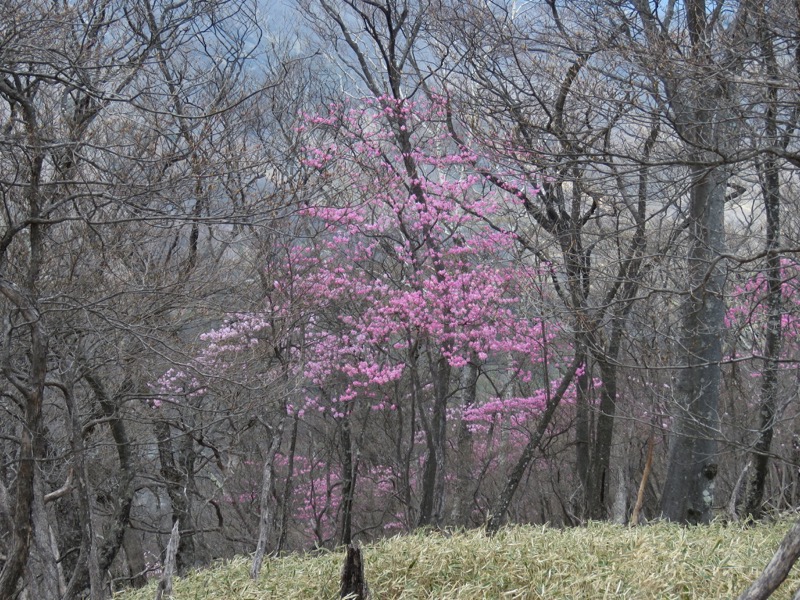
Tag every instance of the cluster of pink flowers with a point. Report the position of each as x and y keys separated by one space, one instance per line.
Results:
x=404 y=272
x=747 y=314
x=406 y=261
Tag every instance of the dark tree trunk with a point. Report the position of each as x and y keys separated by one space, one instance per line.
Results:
x=348 y=482
x=756 y=481
x=353 y=584
x=87 y=559
x=111 y=540
x=286 y=500
x=770 y=186
x=601 y=463
x=176 y=480
x=433 y=477
x=31 y=445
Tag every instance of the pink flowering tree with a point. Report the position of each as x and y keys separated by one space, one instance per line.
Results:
x=749 y=313
x=407 y=309
x=764 y=320
x=414 y=287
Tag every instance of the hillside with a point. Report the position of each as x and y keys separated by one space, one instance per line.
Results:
x=598 y=561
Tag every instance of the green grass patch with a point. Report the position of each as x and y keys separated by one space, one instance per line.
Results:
x=598 y=561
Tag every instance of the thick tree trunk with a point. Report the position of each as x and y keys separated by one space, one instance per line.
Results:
x=22 y=532
x=87 y=559
x=353 y=584
x=134 y=557
x=619 y=510
x=689 y=487
x=120 y=519
x=601 y=464
x=111 y=540
x=43 y=575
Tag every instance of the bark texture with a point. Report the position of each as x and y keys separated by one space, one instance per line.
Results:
x=353 y=583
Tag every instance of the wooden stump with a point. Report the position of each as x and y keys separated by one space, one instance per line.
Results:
x=353 y=585
x=164 y=589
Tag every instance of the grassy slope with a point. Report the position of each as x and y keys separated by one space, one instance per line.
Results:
x=599 y=561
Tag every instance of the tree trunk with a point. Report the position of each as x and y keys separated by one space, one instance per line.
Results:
x=583 y=438
x=600 y=474
x=286 y=500
x=164 y=589
x=177 y=484
x=433 y=477
x=619 y=512
x=87 y=559
x=353 y=584
x=111 y=539
x=462 y=496
x=134 y=556
x=31 y=438
x=689 y=487
x=648 y=464
x=770 y=186
x=43 y=575
x=265 y=507
x=348 y=482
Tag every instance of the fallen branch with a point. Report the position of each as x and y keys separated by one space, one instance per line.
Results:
x=778 y=568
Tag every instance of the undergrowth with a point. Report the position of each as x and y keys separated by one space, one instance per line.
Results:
x=600 y=560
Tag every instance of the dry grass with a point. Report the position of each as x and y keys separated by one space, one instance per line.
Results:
x=598 y=561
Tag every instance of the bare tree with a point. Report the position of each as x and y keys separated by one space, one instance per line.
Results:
x=779 y=121
x=126 y=189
